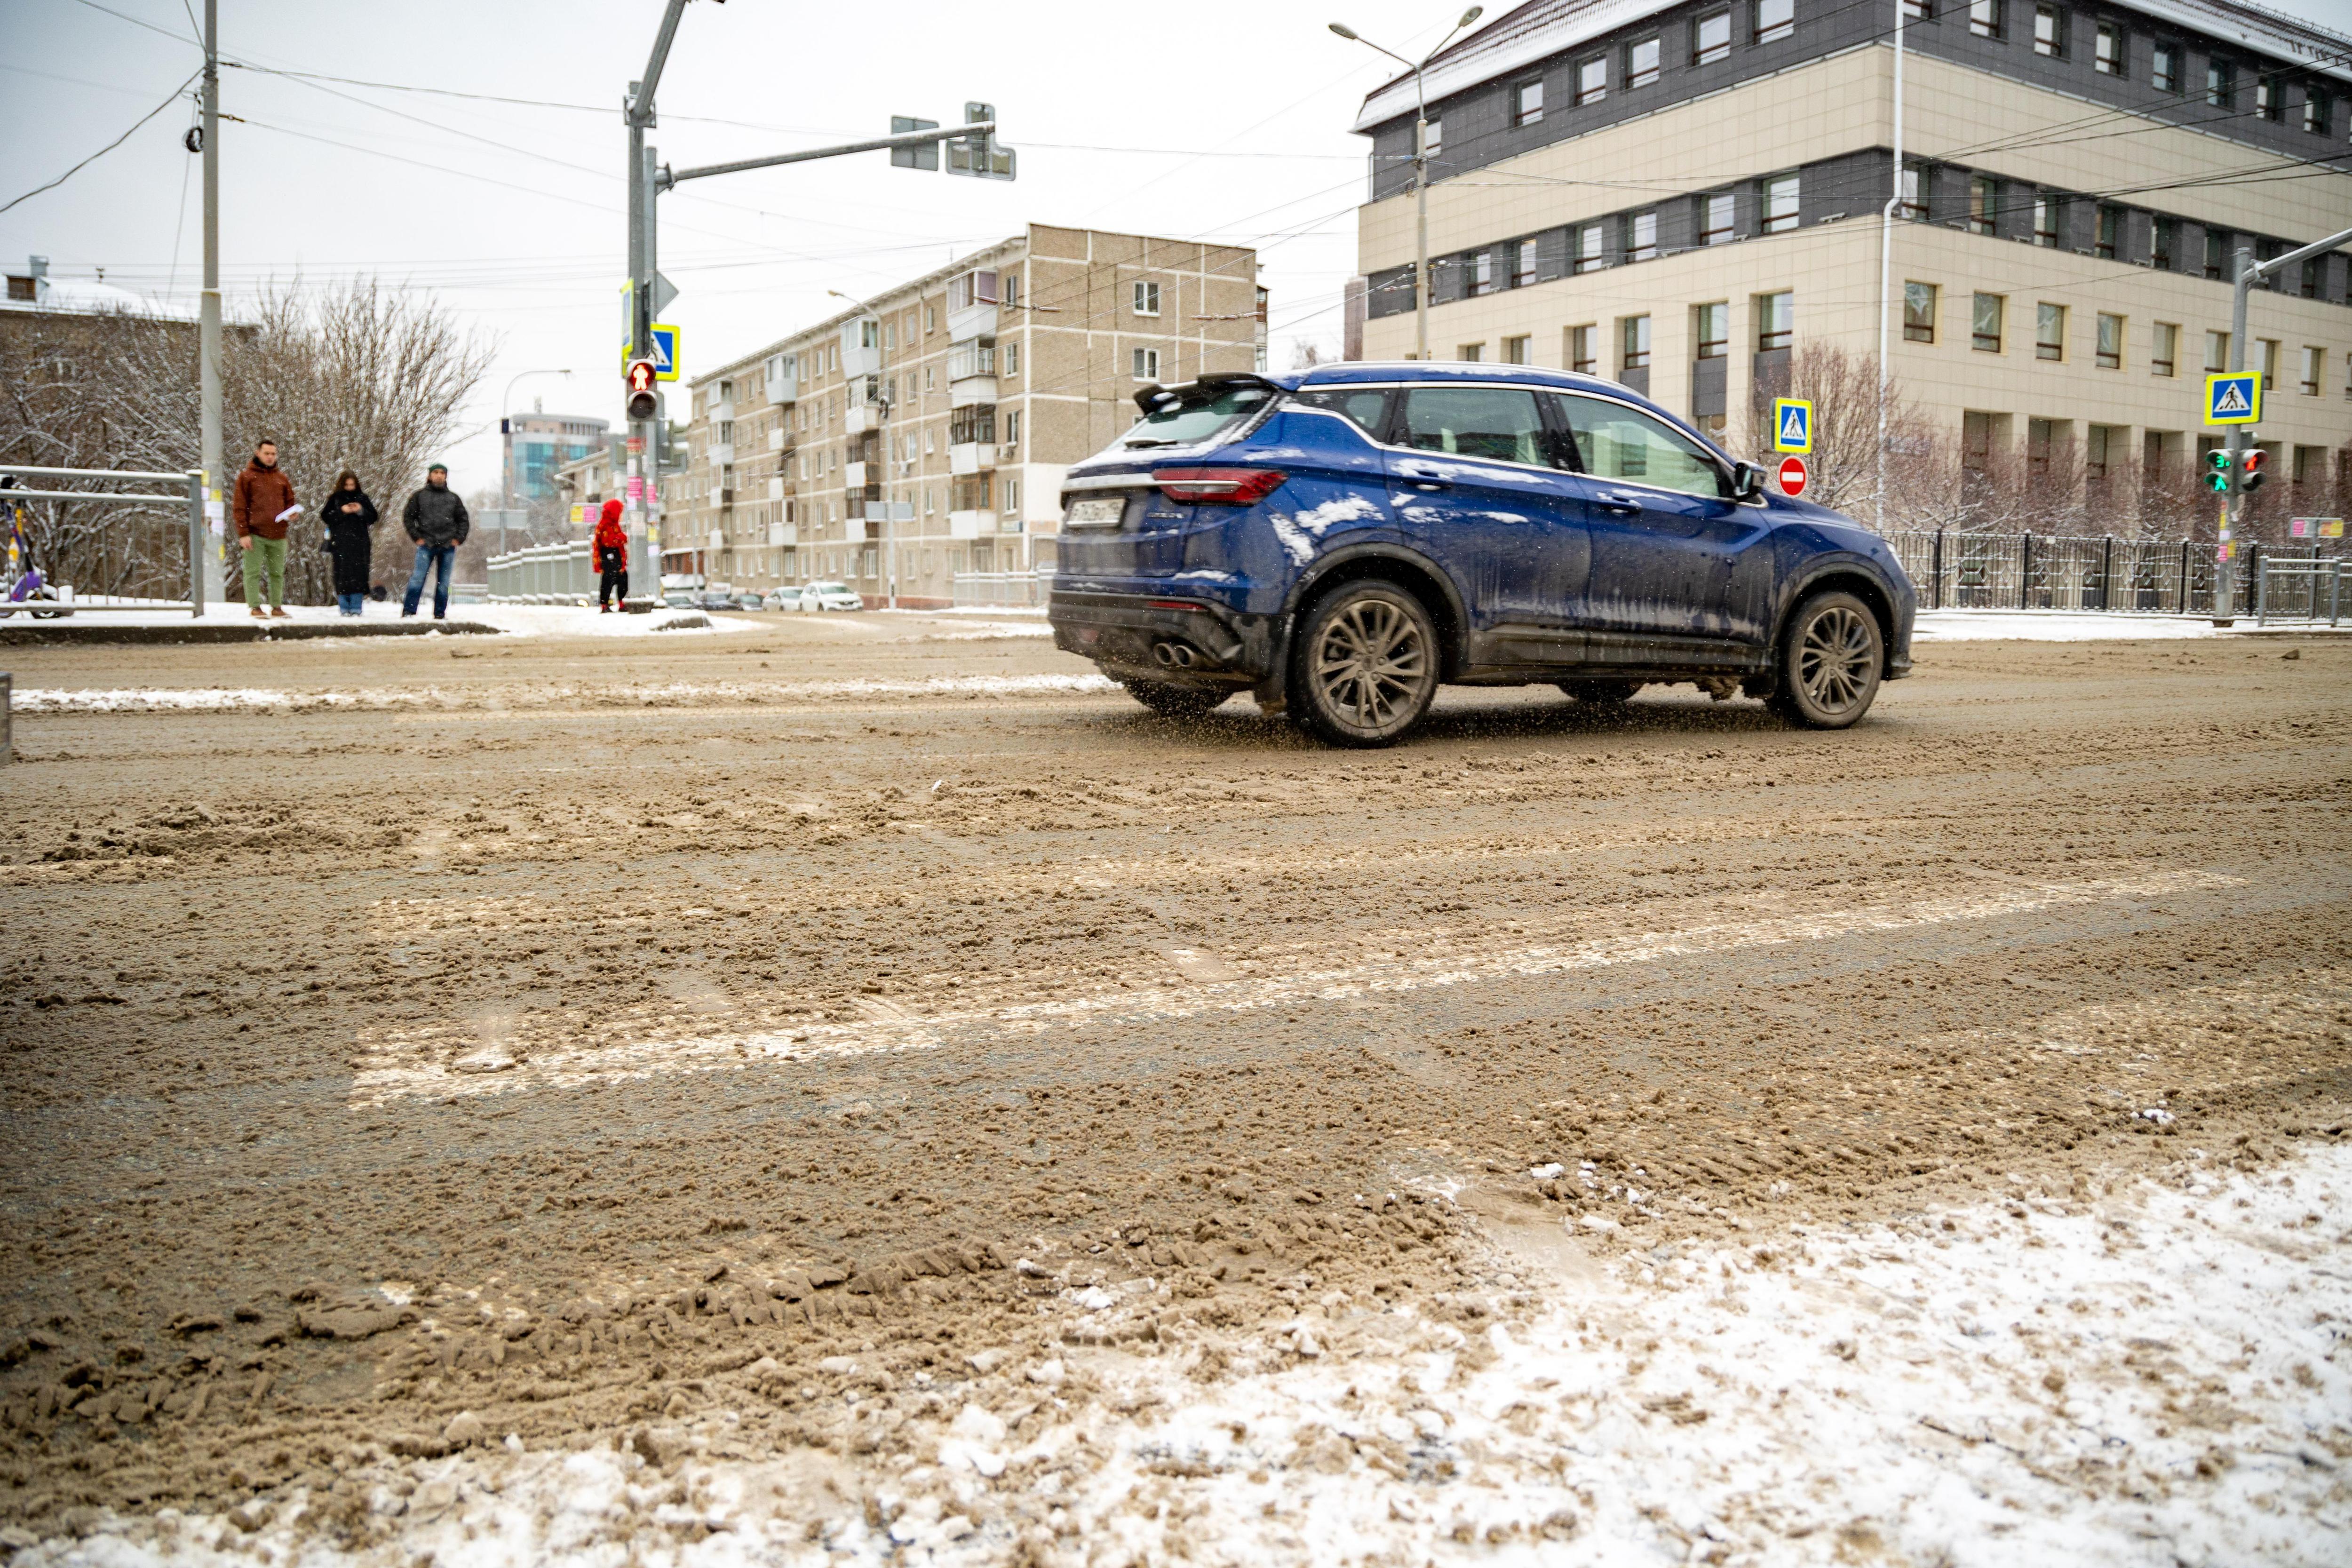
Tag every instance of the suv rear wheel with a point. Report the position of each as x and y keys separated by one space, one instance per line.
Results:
x=1175 y=702
x=1364 y=668
x=1830 y=659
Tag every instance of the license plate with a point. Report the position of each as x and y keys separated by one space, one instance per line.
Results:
x=1095 y=512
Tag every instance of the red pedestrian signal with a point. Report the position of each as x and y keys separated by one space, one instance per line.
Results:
x=2256 y=467
x=644 y=401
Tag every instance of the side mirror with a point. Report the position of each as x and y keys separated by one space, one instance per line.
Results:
x=1747 y=481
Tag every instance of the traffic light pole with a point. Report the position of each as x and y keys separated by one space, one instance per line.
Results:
x=2249 y=270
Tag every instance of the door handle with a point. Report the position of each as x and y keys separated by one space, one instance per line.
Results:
x=1423 y=478
x=1610 y=502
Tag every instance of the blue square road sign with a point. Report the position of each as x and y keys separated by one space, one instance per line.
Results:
x=1793 y=424
x=2234 y=398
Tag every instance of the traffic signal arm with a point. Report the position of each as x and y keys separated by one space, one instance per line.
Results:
x=668 y=178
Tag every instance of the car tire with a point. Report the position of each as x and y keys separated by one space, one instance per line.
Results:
x=1364 y=665
x=1601 y=693
x=1176 y=701
x=1831 y=658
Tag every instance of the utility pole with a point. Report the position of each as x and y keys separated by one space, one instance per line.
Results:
x=208 y=572
x=1886 y=266
x=2225 y=556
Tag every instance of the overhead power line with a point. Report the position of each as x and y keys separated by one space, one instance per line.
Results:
x=110 y=147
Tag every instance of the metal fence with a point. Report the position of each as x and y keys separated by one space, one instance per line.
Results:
x=1008 y=589
x=2306 y=588
x=66 y=598
x=1954 y=571
x=561 y=574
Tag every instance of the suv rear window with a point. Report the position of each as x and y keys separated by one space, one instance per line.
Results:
x=1197 y=413
x=1474 y=422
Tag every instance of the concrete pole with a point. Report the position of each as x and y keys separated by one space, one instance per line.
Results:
x=2225 y=561
x=1886 y=270
x=1421 y=224
x=208 y=330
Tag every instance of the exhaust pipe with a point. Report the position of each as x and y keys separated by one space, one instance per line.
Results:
x=1173 y=655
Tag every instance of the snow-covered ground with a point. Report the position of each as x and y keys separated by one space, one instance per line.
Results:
x=2153 y=1376
x=255 y=699
x=2077 y=625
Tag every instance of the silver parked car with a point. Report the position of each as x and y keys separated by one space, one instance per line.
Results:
x=831 y=596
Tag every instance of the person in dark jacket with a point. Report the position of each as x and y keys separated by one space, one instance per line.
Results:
x=350 y=517
x=436 y=521
x=261 y=506
x=610 y=546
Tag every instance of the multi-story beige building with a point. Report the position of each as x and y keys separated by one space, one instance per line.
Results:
x=1679 y=196
x=924 y=433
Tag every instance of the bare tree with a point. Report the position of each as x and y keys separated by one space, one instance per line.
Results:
x=1843 y=390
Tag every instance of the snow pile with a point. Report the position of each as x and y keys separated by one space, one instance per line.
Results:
x=175 y=700
x=2055 y=626
x=2143 y=1380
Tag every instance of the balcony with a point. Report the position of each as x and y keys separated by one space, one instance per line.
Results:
x=784 y=533
x=858 y=529
x=971 y=457
x=970 y=525
x=859 y=418
x=975 y=320
x=854 y=475
x=861 y=346
x=775 y=490
x=969 y=390
x=722 y=453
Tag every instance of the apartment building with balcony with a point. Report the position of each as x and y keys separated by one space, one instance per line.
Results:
x=1679 y=197
x=926 y=433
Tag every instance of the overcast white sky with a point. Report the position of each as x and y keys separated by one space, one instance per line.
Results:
x=1222 y=120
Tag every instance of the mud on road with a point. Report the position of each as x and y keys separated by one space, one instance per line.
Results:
x=836 y=1024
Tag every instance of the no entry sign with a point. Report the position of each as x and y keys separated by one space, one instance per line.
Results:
x=1794 y=476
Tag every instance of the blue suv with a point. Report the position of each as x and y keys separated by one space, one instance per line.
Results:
x=1343 y=541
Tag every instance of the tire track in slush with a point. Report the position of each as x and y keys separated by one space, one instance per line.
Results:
x=455 y=1059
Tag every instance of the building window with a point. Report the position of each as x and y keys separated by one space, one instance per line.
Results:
x=2268 y=98
x=2310 y=288
x=2315 y=361
x=1776 y=321
x=2111 y=341
x=1712 y=326
x=2110 y=232
x=1984 y=324
x=1984 y=19
x=1592 y=79
x=2099 y=451
x=2217 y=352
x=2163 y=345
x=2318 y=114
x=1775 y=20
x=1641 y=236
x=1147 y=298
x=1918 y=312
x=1012 y=359
x=2049 y=32
x=1711 y=38
x=1918 y=10
x=1526 y=102
x=1591 y=252
x=1515 y=351
x=2164 y=67
x=2217 y=252
x=1984 y=204
x=1470 y=353
x=1581 y=350
x=2049 y=331
x=2269 y=358
x=1523 y=264
x=2108 y=54
x=1913 y=206
x=1634 y=332
x=1714 y=220
x=1642 y=63
x=2045 y=220
x=1482 y=273
x=1147 y=364
x=1437 y=142
x=2221 y=84
x=1780 y=204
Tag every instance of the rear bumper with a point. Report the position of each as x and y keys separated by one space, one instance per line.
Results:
x=1131 y=635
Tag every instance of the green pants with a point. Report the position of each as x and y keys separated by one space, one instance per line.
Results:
x=265 y=555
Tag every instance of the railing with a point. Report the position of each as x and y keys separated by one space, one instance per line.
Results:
x=2290 y=589
x=562 y=573
x=1954 y=571
x=62 y=598
x=1009 y=589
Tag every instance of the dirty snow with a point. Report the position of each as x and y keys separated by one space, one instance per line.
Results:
x=2148 y=1375
x=2055 y=626
x=167 y=699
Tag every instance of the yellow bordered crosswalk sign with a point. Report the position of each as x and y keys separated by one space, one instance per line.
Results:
x=1793 y=424
x=2234 y=397
x=664 y=355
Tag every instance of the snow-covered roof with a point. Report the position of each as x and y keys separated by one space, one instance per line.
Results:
x=77 y=298
x=1541 y=28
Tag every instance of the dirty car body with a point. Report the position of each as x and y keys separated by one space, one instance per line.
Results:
x=1546 y=527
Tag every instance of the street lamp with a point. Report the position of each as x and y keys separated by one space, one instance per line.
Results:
x=889 y=524
x=1420 y=165
x=506 y=432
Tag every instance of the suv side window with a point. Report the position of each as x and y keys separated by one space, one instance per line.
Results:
x=1364 y=408
x=1615 y=442
x=1498 y=422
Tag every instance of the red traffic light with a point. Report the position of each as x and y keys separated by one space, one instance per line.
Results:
x=641 y=376
x=642 y=402
x=2256 y=467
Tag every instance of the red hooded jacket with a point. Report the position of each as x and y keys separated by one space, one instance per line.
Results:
x=610 y=534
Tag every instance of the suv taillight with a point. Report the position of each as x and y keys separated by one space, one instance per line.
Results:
x=1229 y=487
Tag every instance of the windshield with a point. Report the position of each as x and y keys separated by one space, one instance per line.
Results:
x=827 y=588
x=1196 y=415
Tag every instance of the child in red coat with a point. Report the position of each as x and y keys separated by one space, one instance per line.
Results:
x=611 y=546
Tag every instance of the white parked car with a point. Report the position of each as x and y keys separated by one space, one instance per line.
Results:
x=830 y=597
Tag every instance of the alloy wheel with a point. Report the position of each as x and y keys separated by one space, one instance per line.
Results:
x=1834 y=659
x=1372 y=663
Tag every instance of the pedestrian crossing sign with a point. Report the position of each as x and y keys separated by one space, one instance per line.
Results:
x=1793 y=424
x=2233 y=398
x=664 y=355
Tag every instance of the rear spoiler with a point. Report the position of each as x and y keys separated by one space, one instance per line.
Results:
x=1155 y=397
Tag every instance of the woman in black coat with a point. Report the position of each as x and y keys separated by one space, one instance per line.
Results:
x=348 y=515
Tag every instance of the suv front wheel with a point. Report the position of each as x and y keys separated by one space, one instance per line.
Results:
x=1364 y=668
x=1831 y=655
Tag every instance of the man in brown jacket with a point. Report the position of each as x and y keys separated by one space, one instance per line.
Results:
x=263 y=506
